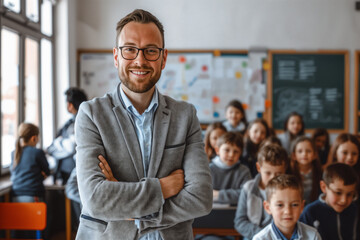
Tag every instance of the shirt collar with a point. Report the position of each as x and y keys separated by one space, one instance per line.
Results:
x=281 y=236
x=130 y=107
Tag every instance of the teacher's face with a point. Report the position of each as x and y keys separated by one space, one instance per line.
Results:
x=139 y=75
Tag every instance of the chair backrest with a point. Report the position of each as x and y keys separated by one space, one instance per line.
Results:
x=23 y=216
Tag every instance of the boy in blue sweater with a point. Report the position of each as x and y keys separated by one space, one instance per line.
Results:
x=228 y=174
x=334 y=214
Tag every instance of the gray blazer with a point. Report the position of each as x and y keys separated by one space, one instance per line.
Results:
x=103 y=126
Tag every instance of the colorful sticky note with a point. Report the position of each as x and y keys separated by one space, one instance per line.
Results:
x=204 y=68
x=216 y=115
x=184 y=97
x=259 y=114
x=187 y=66
x=238 y=75
x=182 y=59
x=216 y=99
x=267 y=103
x=217 y=53
x=245 y=106
x=266 y=65
x=244 y=64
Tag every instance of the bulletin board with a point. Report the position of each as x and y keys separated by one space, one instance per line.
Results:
x=208 y=79
x=313 y=83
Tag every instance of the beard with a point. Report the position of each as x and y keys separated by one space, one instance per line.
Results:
x=143 y=86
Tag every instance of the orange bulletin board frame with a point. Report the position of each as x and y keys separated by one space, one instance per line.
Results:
x=269 y=111
x=356 y=93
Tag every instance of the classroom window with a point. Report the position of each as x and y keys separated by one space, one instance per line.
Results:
x=46 y=17
x=9 y=93
x=13 y=5
x=26 y=69
x=46 y=92
x=31 y=85
x=32 y=10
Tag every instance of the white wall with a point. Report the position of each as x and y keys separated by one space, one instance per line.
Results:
x=231 y=24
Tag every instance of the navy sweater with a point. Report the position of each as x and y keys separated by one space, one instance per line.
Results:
x=26 y=177
x=330 y=224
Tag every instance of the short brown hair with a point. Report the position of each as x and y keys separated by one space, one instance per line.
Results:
x=139 y=16
x=340 y=171
x=273 y=154
x=282 y=182
x=231 y=138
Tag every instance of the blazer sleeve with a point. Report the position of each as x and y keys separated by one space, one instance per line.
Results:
x=102 y=199
x=195 y=199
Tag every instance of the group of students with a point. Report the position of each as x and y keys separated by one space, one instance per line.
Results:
x=272 y=177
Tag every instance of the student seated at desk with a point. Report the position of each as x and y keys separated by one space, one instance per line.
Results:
x=228 y=174
x=285 y=203
x=250 y=216
x=334 y=214
x=28 y=169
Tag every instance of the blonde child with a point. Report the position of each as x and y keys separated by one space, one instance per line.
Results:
x=285 y=203
x=235 y=117
x=29 y=166
x=293 y=128
x=213 y=132
x=306 y=163
x=322 y=142
x=228 y=174
x=334 y=214
x=256 y=132
x=250 y=215
x=28 y=169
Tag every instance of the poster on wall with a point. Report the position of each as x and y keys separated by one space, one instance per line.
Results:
x=98 y=74
x=188 y=78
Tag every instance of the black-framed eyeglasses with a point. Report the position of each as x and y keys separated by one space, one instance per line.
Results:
x=150 y=53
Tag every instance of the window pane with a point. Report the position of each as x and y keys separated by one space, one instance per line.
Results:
x=46 y=17
x=9 y=93
x=32 y=10
x=46 y=92
x=13 y=5
x=32 y=82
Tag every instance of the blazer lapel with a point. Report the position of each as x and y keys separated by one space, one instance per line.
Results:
x=160 y=130
x=129 y=135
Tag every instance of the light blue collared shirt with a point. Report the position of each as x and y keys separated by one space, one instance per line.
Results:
x=281 y=236
x=143 y=124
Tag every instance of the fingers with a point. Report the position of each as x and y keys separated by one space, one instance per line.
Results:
x=104 y=164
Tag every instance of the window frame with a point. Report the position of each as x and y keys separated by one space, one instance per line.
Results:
x=26 y=28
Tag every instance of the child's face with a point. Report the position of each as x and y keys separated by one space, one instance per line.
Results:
x=268 y=171
x=214 y=135
x=257 y=133
x=320 y=142
x=285 y=206
x=337 y=195
x=347 y=153
x=304 y=153
x=294 y=125
x=229 y=154
x=234 y=115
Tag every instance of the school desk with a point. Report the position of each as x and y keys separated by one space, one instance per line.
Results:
x=219 y=222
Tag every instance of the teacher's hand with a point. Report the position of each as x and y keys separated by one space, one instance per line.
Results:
x=106 y=170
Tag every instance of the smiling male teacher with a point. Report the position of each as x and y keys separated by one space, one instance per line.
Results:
x=160 y=178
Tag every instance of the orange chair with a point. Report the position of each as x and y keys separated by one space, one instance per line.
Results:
x=23 y=216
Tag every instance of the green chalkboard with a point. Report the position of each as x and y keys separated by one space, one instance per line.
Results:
x=311 y=83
